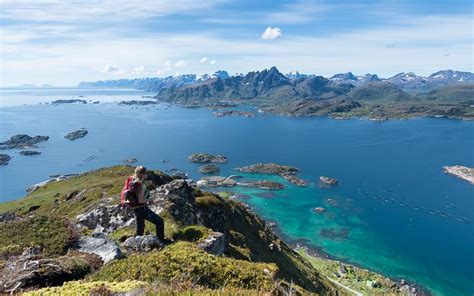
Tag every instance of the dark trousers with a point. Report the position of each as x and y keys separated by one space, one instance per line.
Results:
x=144 y=213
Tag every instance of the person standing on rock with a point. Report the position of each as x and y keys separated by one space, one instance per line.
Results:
x=136 y=197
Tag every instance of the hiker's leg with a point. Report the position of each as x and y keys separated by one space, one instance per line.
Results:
x=158 y=221
x=140 y=220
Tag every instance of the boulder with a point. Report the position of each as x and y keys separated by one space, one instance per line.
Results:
x=144 y=243
x=9 y=217
x=215 y=244
x=106 y=218
x=99 y=245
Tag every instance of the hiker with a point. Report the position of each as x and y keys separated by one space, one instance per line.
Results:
x=136 y=197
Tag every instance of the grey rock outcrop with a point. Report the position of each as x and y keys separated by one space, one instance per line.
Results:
x=144 y=243
x=215 y=243
x=176 y=197
x=99 y=245
x=106 y=218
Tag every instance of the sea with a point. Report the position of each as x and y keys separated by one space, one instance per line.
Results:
x=394 y=210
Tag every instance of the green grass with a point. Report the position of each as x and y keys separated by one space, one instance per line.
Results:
x=52 y=198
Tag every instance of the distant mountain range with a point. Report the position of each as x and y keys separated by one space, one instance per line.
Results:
x=444 y=93
x=154 y=84
x=407 y=82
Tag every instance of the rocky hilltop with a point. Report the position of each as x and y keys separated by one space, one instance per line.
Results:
x=74 y=229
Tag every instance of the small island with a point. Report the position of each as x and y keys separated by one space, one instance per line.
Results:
x=71 y=101
x=76 y=134
x=461 y=172
x=209 y=169
x=130 y=160
x=4 y=159
x=220 y=181
x=319 y=210
x=29 y=152
x=233 y=113
x=207 y=158
x=328 y=180
x=22 y=141
x=138 y=103
x=286 y=172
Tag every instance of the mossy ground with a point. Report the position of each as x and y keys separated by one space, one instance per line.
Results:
x=77 y=288
x=52 y=233
x=186 y=262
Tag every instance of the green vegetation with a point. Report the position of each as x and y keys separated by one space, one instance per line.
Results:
x=74 y=288
x=72 y=196
x=53 y=234
x=193 y=233
x=185 y=261
x=359 y=279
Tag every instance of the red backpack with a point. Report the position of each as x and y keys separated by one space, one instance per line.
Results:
x=128 y=195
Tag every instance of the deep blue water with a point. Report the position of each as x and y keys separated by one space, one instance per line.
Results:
x=390 y=174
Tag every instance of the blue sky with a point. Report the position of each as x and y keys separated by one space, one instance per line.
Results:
x=65 y=42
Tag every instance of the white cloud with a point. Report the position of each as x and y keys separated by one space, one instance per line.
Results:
x=421 y=43
x=203 y=60
x=140 y=70
x=96 y=11
x=213 y=62
x=180 y=64
x=110 y=68
x=271 y=33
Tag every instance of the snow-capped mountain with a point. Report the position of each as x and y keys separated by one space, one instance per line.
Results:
x=293 y=75
x=406 y=81
x=451 y=76
x=354 y=80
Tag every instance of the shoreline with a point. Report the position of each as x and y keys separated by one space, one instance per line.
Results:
x=313 y=251
x=333 y=116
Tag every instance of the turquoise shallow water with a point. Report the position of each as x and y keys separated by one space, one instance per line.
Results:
x=378 y=217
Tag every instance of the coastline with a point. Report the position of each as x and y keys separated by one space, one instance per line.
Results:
x=328 y=265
